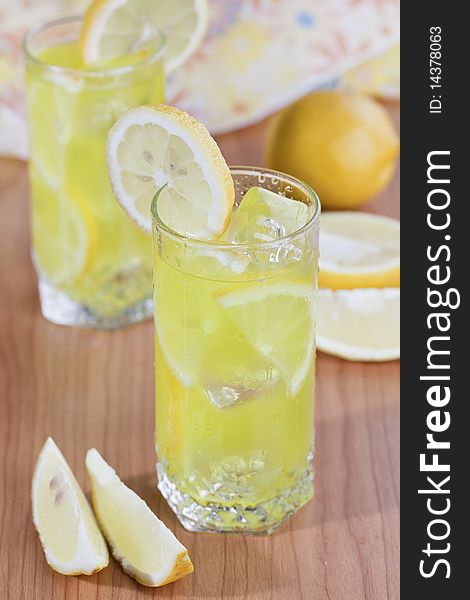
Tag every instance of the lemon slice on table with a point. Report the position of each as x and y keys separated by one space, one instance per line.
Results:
x=64 y=233
x=359 y=250
x=150 y=148
x=360 y=324
x=146 y=549
x=113 y=29
x=278 y=319
x=69 y=534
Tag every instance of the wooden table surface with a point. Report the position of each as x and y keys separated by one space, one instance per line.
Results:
x=90 y=388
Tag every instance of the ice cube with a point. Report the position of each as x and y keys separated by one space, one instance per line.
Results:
x=224 y=395
x=264 y=216
x=237 y=262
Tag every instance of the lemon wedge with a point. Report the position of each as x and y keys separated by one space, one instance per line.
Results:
x=163 y=148
x=361 y=324
x=146 y=549
x=67 y=528
x=259 y=312
x=359 y=250
x=113 y=29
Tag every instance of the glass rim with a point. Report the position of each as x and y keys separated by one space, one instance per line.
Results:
x=245 y=170
x=94 y=73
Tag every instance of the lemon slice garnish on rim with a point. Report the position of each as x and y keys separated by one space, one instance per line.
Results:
x=361 y=324
x=113 y=29
x=69 y=534
x=359 y=250
x=146 y=549
x=152 y=148
x=278 y=319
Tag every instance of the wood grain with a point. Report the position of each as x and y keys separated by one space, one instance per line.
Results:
x=88 y=388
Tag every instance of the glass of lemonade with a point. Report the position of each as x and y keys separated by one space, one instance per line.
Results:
x=94 y=264
x=235 y=368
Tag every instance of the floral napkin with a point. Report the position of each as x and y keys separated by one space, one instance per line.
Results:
x=258 y=56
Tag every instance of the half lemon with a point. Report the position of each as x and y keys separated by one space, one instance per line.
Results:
x=359 y=250
x=360 y=324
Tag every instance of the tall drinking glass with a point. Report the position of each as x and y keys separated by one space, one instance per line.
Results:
x=235 y=369
x=94 y=264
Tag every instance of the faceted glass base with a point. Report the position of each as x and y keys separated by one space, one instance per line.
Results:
x=58 y=308
x=262 y=518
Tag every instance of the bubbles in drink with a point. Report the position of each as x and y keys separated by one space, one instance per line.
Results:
x=234 y=476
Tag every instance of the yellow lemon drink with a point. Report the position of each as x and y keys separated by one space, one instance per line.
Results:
x=235 y=339
x=94 y=264
x=235 y=284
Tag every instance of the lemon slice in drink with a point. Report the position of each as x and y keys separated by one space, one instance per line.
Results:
x=278 y=319
x=183 y=347
x=150 y=148
x=46 y=134
x=69 y=534
x=359 y=250
x=52 y=107
x=113 y=29
x=146 y=549
x=360 y=324
x=64 y=234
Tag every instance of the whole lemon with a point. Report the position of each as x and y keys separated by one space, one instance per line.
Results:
x=341 y=143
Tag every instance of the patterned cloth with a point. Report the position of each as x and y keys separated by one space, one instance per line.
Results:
x=258 y=56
